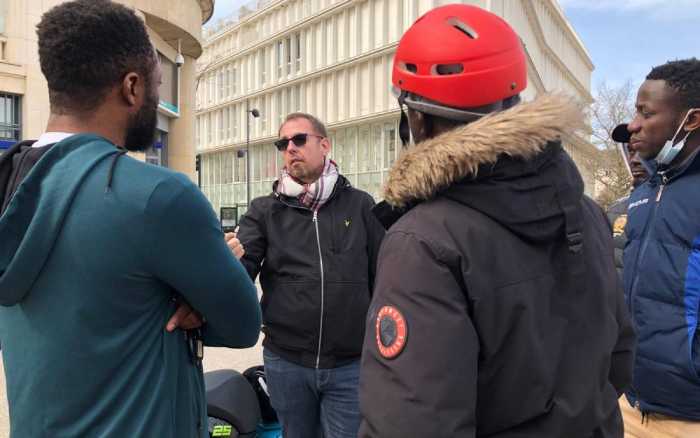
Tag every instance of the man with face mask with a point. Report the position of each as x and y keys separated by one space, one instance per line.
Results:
x=99 y=250
x=662 y=256
x=496 y=310
x=617 y=212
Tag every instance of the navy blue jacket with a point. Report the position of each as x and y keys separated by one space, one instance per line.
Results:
x=662 y=288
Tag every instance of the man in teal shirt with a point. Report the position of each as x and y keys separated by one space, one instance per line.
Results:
x=98 y=250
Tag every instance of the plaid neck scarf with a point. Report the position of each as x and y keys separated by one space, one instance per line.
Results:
x=312 y=195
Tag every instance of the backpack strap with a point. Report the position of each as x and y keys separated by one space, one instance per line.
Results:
x=15 y=164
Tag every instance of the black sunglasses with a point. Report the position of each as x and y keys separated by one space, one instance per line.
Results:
x=298 y=140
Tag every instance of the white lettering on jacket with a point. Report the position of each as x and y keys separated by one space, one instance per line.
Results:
x=637 y=203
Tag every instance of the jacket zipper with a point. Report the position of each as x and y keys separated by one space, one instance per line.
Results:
x=320 y=260
x=664 y=181
x=640 y=256
x=645 y=243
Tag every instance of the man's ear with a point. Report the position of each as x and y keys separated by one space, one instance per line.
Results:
x=693 y=122
x=326 y=145
x=130 y=88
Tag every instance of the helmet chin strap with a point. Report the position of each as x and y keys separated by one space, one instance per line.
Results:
x=404 y=129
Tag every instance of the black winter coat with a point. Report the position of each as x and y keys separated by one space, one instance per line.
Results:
x=316 y=273
x=496 y=310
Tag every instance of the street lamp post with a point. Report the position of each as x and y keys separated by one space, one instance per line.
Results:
x=198 y=168
x=255 y=113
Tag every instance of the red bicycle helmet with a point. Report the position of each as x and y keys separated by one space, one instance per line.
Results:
x=461 y=56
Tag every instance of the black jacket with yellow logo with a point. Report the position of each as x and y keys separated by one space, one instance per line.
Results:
x=316 y=272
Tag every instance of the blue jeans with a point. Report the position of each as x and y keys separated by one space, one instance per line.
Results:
x=313 y=402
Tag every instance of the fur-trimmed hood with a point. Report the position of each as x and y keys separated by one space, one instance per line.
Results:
x=510 y=166
x=520 y=133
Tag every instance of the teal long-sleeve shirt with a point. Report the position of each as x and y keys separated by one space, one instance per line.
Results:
x=88 y=272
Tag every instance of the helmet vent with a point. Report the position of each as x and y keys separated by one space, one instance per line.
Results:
x=411 y=68
x=448 y=69
x=462 y=27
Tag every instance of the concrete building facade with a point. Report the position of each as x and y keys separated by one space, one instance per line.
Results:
x=333 y=58
x=172 y=26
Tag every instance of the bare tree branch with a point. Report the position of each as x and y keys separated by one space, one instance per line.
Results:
x=612 y=106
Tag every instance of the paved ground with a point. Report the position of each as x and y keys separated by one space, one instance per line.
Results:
x=214 y=359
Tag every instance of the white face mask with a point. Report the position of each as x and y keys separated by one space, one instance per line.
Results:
x=670 y=150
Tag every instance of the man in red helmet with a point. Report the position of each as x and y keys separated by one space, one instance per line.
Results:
x=496 y=310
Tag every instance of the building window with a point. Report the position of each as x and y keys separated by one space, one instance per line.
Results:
x=288 y=54
x=210 y=128
x=280 y=58
x=297 y=52
x=168 y=87
x=220 y=124
x=296 y=106
x=234 y=78
x=221 y=85
x=226 y=71
x=331 y=46
x=338 y=143
x=10 y=119
x=234 y=122
x=278 y=105
x=264 y=112
x=389 y=144
x=256 y=155
x=228 y=168
x=269 y=162
x=197 y=130
x=247 y=75
x=227 y=126
x=262 y=65
x=350 y=149
x=288 y=106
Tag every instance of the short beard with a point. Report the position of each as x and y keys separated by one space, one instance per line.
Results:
x=305 y=175
x=141 y=131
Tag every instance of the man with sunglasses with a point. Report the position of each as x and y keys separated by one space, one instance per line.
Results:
x=314 y=242
x=496 y=311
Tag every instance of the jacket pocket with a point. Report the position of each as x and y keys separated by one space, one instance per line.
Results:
x=291 y=314
x=520 y=323
x=345 y=316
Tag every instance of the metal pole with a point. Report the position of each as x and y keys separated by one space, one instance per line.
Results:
x=247 y=152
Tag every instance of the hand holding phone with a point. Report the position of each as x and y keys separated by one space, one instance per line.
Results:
x=234 y=244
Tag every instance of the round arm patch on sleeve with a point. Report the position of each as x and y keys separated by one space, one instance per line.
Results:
x=391 y=332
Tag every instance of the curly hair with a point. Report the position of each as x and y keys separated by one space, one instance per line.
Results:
x=682 y=75
x=88 y=46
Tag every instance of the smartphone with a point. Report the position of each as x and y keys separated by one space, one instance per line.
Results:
x=229 y=219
